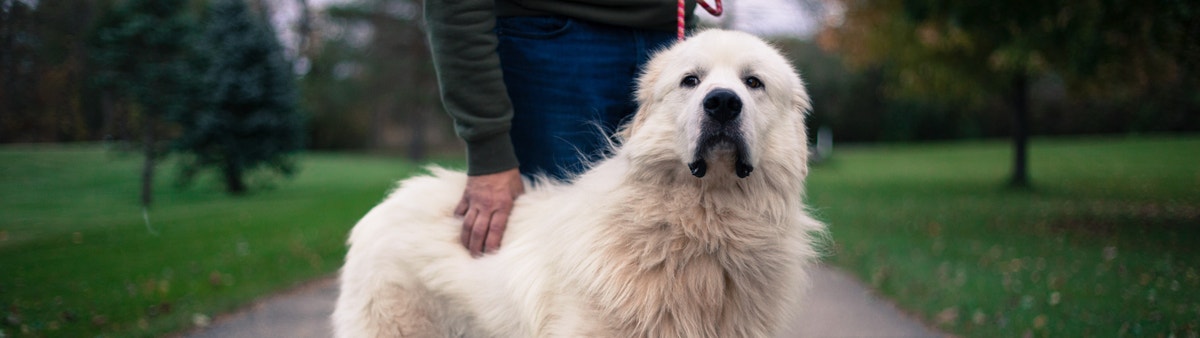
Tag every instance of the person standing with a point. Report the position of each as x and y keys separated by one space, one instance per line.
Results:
x=537 y=87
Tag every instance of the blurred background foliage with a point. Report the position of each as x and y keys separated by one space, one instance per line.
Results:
x=930 y=70
x=878 y=70
x=364 y=77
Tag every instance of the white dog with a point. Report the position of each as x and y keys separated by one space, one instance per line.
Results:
x=695 y=226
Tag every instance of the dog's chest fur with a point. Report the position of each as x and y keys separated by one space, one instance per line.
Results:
x=693 y=267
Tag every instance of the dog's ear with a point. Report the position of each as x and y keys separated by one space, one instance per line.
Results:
x=652 y=71
x=645 y=101
x=801 y=103
x=645 y=92
x=639 y=119
x=802 y=106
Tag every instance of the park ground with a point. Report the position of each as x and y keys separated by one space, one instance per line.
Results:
x=837 y=305
x=1103 y=244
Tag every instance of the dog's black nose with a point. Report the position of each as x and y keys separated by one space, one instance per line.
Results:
x=722 y=105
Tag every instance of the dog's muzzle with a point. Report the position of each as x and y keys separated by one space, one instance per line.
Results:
x=720 y=129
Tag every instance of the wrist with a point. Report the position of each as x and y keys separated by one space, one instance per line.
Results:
x=491 y=155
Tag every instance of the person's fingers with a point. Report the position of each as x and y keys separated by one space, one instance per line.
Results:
x=484 y=208
x=467 y=226
x=461 y=209
x=496 y=230
x=479 y=231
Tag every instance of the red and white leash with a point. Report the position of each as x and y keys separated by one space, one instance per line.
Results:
x=679 y=19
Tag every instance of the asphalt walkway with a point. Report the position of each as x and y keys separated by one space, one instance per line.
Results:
x=837 y=306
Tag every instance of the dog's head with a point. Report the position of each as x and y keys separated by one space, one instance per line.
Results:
x=718 y=104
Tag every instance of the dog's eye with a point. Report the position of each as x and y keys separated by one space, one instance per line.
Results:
x=753 y=82
x=690 y=81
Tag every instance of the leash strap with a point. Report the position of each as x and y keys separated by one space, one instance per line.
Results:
x=680 y=15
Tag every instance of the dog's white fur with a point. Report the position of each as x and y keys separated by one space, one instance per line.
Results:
x=635 y=247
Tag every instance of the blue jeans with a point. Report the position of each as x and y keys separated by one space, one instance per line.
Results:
x=571 y=83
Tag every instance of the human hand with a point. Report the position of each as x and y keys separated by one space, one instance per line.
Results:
x=485 y=206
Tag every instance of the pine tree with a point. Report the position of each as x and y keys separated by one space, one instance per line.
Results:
x=252 y=121
x=143 y=49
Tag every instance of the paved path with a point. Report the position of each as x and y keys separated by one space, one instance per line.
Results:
x=840 y=306
x=837 y=306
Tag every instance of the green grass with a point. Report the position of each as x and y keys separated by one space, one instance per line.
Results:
x=1106 y=243
x=77 y=258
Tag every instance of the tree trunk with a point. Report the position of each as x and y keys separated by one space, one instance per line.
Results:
x=108 y=111
x=264 y=12
x=304 y=28
x=148 y=139
x=377 y=120
x=416 y=146
x=234 y=182
x=1019 y=101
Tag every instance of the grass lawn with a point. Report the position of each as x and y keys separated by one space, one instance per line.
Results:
x=1104 y=245
x=1107 y=243
x=78 y=260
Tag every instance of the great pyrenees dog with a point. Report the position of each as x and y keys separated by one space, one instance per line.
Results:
x=695 y=226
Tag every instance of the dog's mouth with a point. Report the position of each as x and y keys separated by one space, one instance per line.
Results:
x=720 y=136
x=717 y=144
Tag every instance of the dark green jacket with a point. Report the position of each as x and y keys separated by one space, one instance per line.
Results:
x=463 y=43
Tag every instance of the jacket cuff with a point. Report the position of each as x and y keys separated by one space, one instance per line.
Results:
x=491 y=155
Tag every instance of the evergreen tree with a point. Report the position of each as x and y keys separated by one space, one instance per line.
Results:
x=252 y=120
x=143 y=50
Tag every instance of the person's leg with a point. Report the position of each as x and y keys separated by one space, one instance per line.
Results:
x=571 y=83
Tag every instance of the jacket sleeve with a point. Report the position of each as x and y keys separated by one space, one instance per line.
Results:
x=463 y=44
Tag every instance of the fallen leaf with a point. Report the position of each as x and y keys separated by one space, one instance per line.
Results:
x=946 y=316
x=1039 y=322
x=99 y=320
x=201 y=320
x=979 y=317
